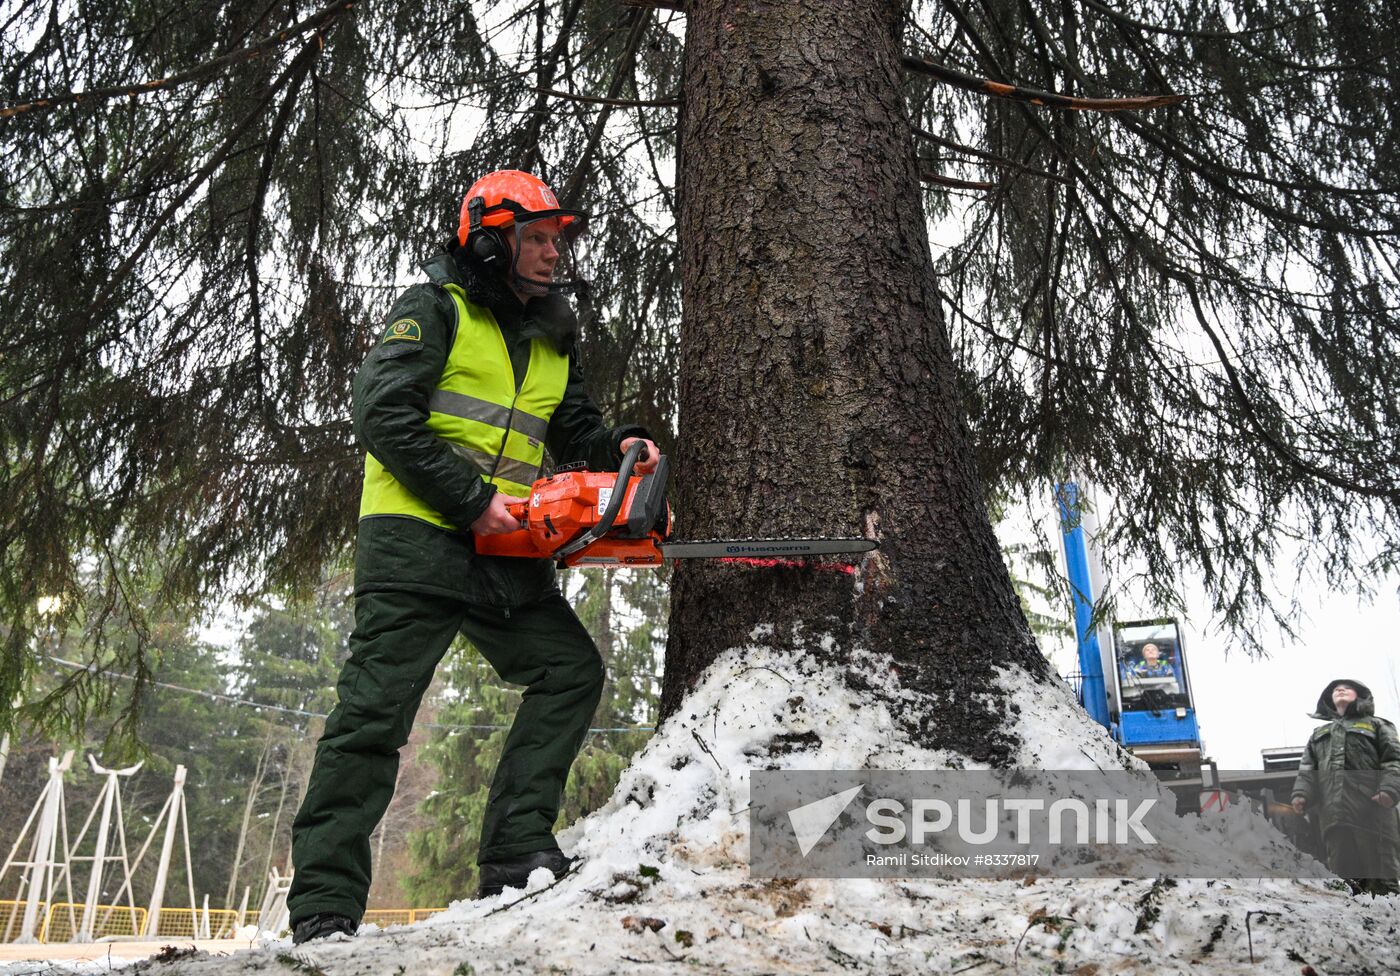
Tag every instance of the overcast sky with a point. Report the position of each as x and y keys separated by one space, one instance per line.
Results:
x=1244 y=706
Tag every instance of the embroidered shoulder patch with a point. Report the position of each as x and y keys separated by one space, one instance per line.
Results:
x=404 y=329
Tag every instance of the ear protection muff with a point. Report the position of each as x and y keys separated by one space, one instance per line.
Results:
x=487 y=245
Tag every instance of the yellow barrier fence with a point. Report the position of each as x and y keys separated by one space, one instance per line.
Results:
x=61 y=921
x=109 y=921
x=12 y=916
x=185 y=923
x=385 y=917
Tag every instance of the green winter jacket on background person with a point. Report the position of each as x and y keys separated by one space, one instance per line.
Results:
x=1347 y=762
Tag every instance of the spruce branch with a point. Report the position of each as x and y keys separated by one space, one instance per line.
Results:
x=990 y=157
x=574 y=185
x=613 y=102
x=999 y=89
x=545 y=78
x=302 y=67
x=216 y=159
x=1389 y=493
x=928 y=176
x=318 y=21
x=1284 y=451
x=1145 y=27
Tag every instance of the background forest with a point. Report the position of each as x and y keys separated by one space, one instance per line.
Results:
x=244 y=719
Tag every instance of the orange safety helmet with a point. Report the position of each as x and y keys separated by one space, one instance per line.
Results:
x=506 y=193
x=503 y=202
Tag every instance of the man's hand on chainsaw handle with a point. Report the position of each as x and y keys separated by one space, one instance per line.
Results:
x=496 y=520
x=646 y=464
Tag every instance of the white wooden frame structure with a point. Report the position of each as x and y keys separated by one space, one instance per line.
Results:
x=43 y=871
x=49 y=867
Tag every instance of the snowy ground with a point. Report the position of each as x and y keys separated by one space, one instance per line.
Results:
x=664 y=885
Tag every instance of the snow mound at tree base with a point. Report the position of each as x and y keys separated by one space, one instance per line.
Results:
x=664 y=880
x=683 y=801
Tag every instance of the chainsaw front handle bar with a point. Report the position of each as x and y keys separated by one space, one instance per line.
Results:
x=619 y=495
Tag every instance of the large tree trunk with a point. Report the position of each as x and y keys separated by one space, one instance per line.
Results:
x=818 y=391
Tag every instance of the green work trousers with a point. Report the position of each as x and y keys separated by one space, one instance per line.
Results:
x=399 y=638
x=1358 y=856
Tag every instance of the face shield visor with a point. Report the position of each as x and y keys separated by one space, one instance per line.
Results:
x=544 y=252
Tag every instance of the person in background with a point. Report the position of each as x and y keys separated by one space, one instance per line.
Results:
x=1349 y=780
x=1152 y=665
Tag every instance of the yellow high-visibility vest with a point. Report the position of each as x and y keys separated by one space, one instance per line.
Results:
x=477 y=410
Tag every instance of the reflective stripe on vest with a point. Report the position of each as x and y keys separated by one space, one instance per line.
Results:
x=477 y=410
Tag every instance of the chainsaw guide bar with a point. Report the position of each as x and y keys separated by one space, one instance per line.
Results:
x=764 y=548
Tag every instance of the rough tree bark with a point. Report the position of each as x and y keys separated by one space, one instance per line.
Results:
x=818 y=389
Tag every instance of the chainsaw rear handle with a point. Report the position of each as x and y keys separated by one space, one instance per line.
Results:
x=619 y=495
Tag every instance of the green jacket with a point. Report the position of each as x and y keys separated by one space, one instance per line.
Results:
x=390 y=408
x=1347 y=761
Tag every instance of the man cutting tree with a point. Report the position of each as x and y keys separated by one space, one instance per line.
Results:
x=473 y=378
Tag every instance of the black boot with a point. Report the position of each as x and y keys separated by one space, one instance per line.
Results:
x=321 y=926
x=496 y=875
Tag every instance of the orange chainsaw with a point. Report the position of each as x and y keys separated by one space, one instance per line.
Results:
x=597 y=518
